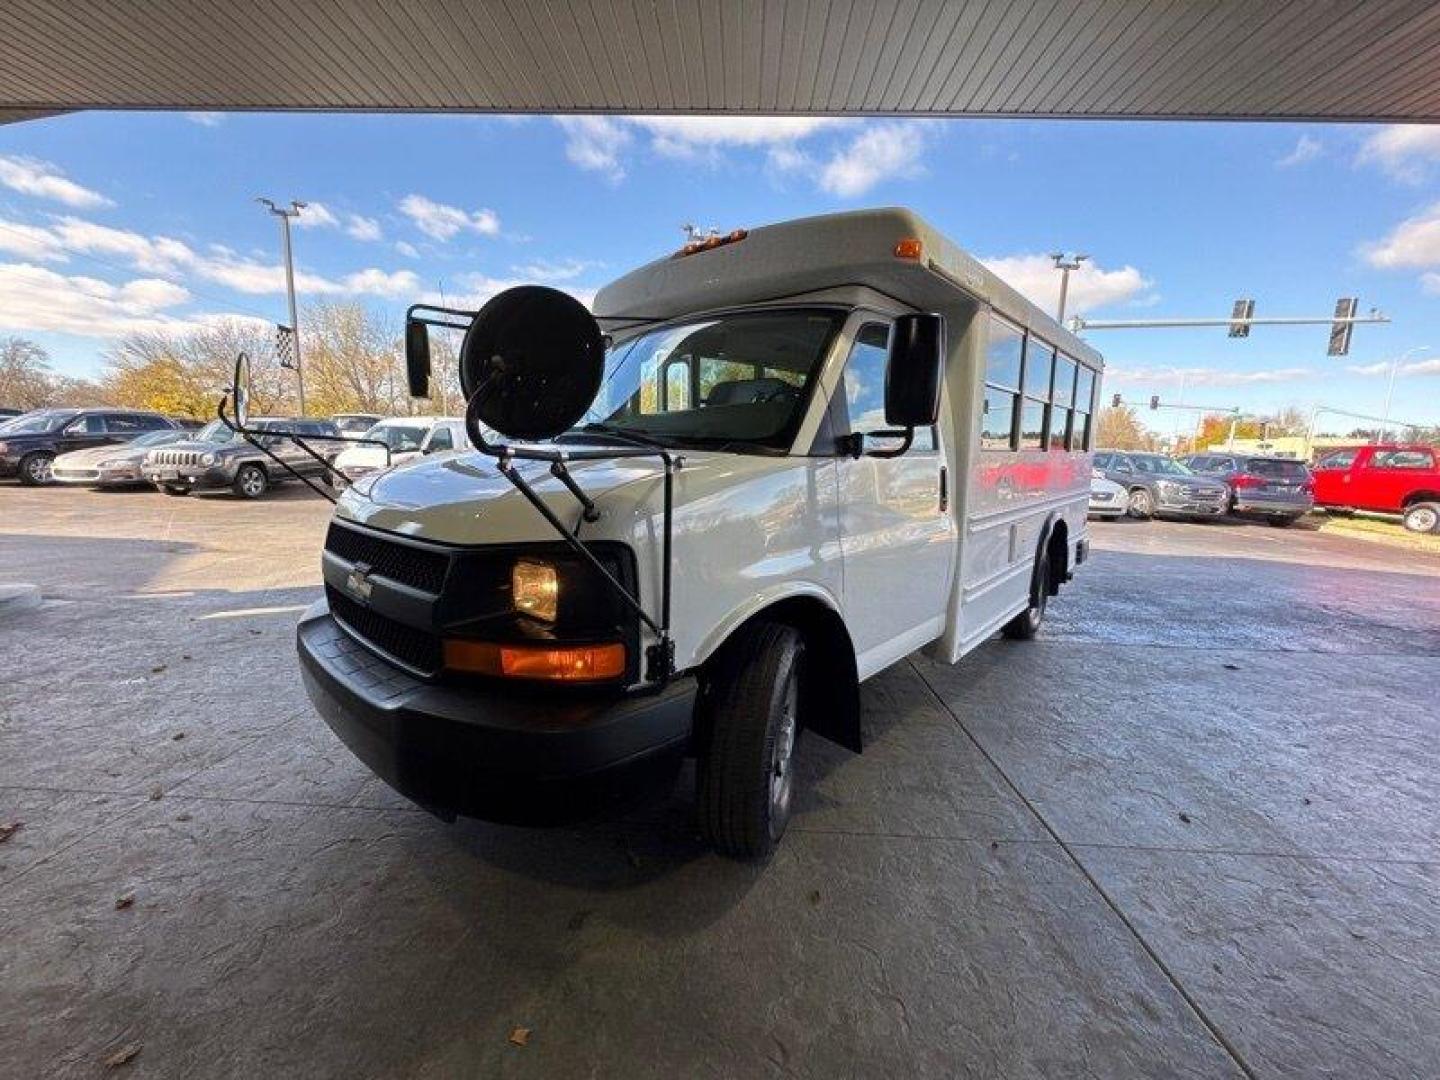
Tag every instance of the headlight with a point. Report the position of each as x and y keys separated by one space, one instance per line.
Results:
x=536 y=590
x=107 y=464
x=208 y=459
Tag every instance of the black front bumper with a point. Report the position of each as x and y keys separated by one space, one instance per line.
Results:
x=507 y=754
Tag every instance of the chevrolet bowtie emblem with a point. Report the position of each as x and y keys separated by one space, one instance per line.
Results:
x=357 y=582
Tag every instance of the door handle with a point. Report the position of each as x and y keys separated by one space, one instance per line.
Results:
x=944 y=488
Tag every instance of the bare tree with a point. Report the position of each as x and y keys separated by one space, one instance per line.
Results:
x=26 y=381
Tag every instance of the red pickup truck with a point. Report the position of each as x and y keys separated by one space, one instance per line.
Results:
x=1389 y=479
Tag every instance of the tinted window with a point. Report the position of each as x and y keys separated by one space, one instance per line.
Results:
x=1102 y=461
x=92 y=424
x=1032 y=425
x=1063 y=393
x=1339 y=459
x=1085 y=390
x=1002 y=354
x=1403 y=459
x=1286 y=470
x=1039 y=359
x=999 y=420
x=440 y=439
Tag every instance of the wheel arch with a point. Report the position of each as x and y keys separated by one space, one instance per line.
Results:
x=1422 y=496
x=830 y=686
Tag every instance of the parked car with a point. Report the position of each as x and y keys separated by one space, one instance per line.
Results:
x=1107 y=498
x=408 y=437
x=1277 y=490
x=30 y=443
x=355 y=423
x=112 y=466
x=1162 y=487
x=217 y=458
x=10 y=414
x=1387 y=479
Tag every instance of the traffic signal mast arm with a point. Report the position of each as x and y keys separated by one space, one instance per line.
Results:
x=1341 y=323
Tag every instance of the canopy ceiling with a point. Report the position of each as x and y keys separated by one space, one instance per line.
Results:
x=1239 y=59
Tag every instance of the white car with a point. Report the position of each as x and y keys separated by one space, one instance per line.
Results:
x=1107 y=498
x=408 y=437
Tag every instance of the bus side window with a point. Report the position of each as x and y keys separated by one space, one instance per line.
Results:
x=1082 y=426
x=1004 y=348
x=864 y=385
x=1035 y=421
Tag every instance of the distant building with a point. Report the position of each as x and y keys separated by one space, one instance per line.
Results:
x=1291 y=446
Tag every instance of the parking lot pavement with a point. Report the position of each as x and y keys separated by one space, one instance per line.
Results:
x=1191 y=831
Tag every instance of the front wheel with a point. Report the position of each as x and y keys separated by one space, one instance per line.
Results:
x=1142 y=504
x=1423 y=518
x=250 y=482
x=35 y=468
x=746 y=771
x=176 y=490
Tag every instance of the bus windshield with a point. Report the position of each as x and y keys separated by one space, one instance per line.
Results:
x=736 y=378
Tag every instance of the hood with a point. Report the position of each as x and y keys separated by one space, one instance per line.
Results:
x=96 y=454
x=463 y=498
x=205 y=447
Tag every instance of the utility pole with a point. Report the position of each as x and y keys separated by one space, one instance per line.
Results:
x=285 y=215
x=1390 y=385
x=1065 y=265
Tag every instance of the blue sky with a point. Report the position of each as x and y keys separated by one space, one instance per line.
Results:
x=121 y=221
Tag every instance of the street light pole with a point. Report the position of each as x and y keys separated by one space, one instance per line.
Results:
x=1065 y=265
x=1390 y=384
x=285 y=215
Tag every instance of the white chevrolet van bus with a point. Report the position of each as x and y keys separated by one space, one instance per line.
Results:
x=770 y=465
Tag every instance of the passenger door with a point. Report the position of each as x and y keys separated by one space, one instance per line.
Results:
x=896 y=532
x=1391 y=475
x=82 y=433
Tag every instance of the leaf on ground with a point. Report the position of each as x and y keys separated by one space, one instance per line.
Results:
x=1184 y=817
x=520 y=1036
x=182 y=817
x=123 y=1056
x=9 y=829
x=177 y=736
x=157 y=669
x=156 y=791
x=124 y=901
x=1231 y=667
x=578 y=920
x=814 y=896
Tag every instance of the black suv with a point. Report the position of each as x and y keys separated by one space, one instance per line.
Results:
x=28 y=445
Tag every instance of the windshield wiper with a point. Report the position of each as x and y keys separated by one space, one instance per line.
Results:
x=612 y=431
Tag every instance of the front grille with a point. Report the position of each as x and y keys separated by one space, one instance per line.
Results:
x=176 y=457
x=420 y=568
x=1203 y=494
x=415 y=648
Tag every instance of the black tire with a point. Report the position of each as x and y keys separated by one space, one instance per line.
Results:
x=176 y=490
x=1027 y=624
x=35 y=468
x=749 y=728
x=1281 y=522
x=1142 y=504
x=250 y=481
x=1422 y=517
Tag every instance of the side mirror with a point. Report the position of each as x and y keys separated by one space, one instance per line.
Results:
x=417 y=357
x=240 y=390
x=913 y=370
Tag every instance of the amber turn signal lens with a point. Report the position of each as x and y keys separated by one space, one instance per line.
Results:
x=576 y=663
x=909 y=248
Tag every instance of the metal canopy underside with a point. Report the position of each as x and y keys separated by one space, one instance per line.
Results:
x=1237 y=59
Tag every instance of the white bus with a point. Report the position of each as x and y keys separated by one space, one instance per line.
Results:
x=812 y=449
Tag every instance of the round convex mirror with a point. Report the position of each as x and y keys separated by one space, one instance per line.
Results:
x=536 y=358
x=240 y=390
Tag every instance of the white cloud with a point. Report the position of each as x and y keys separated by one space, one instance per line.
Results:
x=441 y=221
x=409 y=250
x=30 y=242
x=376 y=282
x=1413 y=367
x=1091 y=286
x=34 y=298
x=595 y=143
x=206 y=119
x=561 y=270
x=475 y=289
x=45 y=181
x=688 y=136
x=362 y=228
x=1405 y=151
x=1307 y=149
x=1201 y=376
x=316 y=215
x=1415 y=242
x=1380 y=367
x=878 y=153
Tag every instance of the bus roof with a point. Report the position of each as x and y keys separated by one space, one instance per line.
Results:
x=810 y=255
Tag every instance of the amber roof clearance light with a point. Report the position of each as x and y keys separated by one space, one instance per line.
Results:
x=909 y=248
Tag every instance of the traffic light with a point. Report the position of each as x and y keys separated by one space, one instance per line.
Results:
x=1154 y=401
x=1240 y=314
x=1115 y=402
x=1340 y=332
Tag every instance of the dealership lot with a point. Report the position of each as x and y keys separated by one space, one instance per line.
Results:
x=1192 y=830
